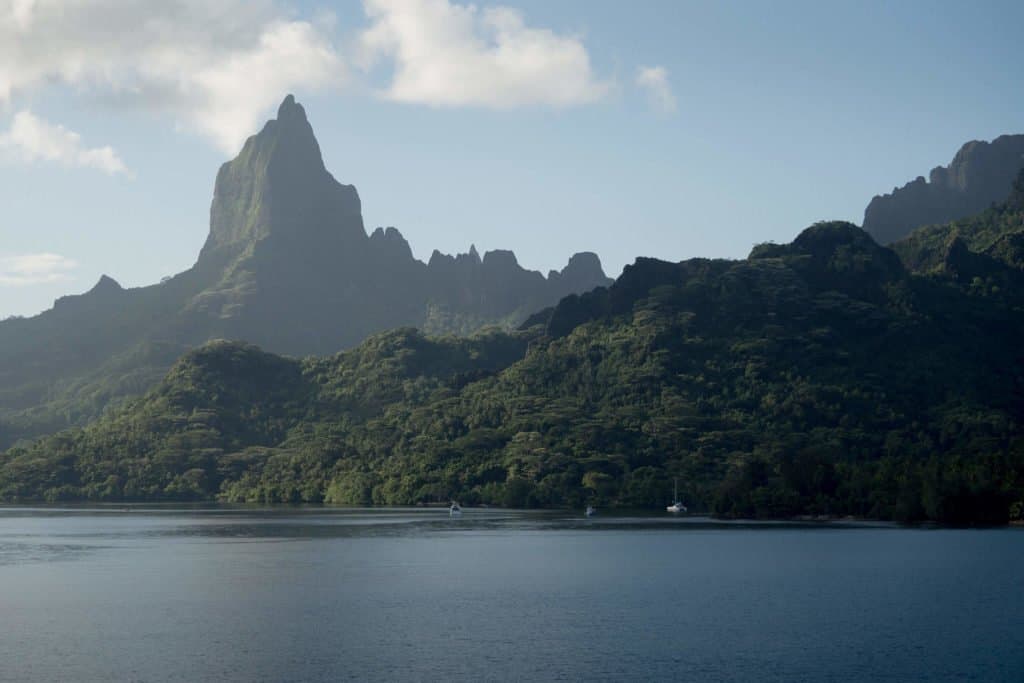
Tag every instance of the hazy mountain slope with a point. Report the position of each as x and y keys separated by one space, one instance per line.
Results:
x=287 y=265
x=818 y=377
x=979 y=175
x=983 y=254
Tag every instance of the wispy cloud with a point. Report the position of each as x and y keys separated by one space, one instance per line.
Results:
x=30 y=138
x=654 y=79
x=23 y=270
x=447 y=54
x=218 y=67
x=214 y=65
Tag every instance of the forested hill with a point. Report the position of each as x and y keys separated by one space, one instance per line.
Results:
x=287 y=264
x=984 y=252
x=817 y=377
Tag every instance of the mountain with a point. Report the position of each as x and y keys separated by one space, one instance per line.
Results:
x=287 y=265
x=982 y=253
x=979 y=175
x=819 y=377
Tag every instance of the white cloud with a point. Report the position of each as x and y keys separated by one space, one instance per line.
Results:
x=289 y=54
x=447 y=54
x=34 y=269
x=654 y=79
x=217 y=66
x=32 y=139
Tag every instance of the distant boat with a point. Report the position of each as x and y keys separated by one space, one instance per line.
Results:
x=455 y=510
x=590 y=511
x=677 y=505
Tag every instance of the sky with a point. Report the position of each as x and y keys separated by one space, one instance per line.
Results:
x=670 y=129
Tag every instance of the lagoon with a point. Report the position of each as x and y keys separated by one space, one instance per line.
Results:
x=322 y=594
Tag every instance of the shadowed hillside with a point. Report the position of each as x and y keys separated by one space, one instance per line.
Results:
x=287 y=265
x=817 y=377
x=979 y=175
x=983 y=254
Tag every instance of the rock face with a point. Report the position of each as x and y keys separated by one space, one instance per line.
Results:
x=1015 y=202
x=988 y=245
x=298 y=274
x=980 y=174
x=287 y=265
x=278 y=188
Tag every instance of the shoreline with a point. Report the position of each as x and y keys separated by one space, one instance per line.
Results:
x=607 y=513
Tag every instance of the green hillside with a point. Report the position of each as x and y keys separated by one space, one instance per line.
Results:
x=988 y=245
x=287 y=264
x=818 y=377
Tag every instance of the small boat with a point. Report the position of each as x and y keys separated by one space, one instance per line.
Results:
x=590 y=511
x=455 y=510
x=677 y=505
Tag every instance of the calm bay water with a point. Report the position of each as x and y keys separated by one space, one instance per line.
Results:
x=173 y=594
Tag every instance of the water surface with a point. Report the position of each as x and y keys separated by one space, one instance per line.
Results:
x=227 y=594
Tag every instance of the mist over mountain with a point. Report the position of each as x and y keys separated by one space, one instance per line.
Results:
x=287 y=265
x=980 y=174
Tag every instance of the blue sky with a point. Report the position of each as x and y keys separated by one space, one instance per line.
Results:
x=518 y=124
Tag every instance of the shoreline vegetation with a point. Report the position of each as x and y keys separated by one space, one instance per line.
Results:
x=828 y=377
x=816 y=378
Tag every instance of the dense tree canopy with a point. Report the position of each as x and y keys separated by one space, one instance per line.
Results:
x=819 y=377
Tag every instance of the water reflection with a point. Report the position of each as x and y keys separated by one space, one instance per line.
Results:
x=233 y=593
x=51 y=533
x=16 y=553
x=318 y=522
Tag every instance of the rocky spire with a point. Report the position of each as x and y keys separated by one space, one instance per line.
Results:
x=278 y=184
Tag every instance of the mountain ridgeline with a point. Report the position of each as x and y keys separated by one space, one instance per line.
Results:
x=298 y=274
x=979 y=176
x=820 y=377
x=829 y=376
x=287 y=265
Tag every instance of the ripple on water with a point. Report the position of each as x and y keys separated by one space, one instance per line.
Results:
x=22 y=553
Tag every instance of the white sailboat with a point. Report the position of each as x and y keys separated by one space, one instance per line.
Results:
x=677 y=505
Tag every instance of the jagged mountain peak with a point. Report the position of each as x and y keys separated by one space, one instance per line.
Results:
x=291 y=139
x=290 y=109
x=979 y=175
x=287 y=265
x=285 y=143
x=105 y=292
x=106 y=284
x=390 y=242
x=278 y=183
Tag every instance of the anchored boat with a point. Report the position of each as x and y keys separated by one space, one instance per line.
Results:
x=677 y=505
